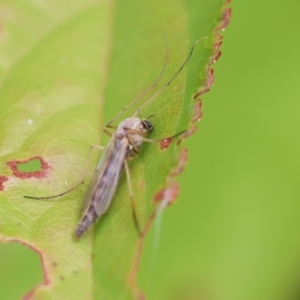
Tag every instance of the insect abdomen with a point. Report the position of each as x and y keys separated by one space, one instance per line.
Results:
x=88 y=219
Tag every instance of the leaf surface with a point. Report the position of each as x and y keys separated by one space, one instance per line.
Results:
x=65 y=70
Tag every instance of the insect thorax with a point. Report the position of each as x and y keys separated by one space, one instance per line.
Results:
x=132 y=130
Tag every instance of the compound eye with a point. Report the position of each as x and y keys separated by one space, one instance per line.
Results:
x=147 y=125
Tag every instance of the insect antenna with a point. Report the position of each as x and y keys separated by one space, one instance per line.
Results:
x=148 y=89
x=54 y=196
x=167 y=84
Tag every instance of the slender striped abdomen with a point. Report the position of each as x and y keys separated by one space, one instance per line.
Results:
x=102 y=190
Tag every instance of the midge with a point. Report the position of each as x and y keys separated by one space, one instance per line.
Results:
x=124 y=144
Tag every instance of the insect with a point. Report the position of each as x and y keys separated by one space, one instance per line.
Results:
x=124 y=145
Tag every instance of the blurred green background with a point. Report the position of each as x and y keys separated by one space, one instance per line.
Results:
x=234 y=232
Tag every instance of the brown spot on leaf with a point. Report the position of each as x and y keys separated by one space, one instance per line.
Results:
x=168 y=194
x=181 y=164
x=198 y=113
x=210 y=76
x=219 y=42
x=32 y=167
x=165 y=143
x=216 y=56
x=141 y=183
x=226 y=19
x=201 y=92
x=2 y=180
x=190 y=132
x=224 y=22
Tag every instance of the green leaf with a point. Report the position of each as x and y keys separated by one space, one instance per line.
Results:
x=65 y=70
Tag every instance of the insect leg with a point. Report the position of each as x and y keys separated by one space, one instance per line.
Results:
x=111 y=126
x=134 y=131
x=132 y=143
x=135 y=219
x=78 y=184
x=107 y=132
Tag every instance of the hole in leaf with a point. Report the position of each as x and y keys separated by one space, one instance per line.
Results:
x=33 y=165
x=20 y=270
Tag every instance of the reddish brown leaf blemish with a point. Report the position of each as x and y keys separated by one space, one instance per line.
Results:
x=226 y=19
x=2 y=180
x=210 y=77
x=219 y=42
x=198 y=113
x=141 y=183
x=216 y=56
x=190 y=132
x=168 y=194
x=16 y=164
x=165 y=143
x=181 y=164
x=205 y=90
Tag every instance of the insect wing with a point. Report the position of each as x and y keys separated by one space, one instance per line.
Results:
x=114 y=169
x=97 y=175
